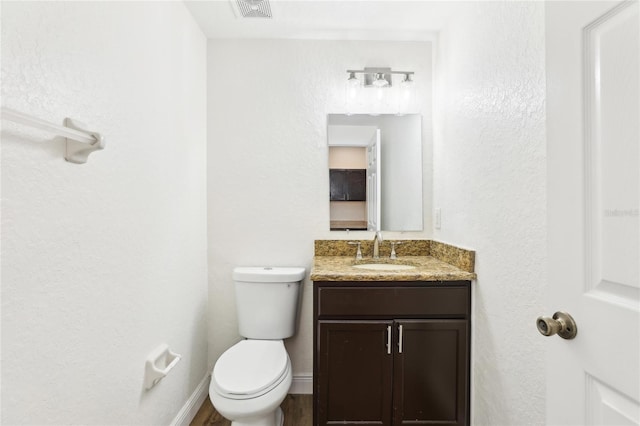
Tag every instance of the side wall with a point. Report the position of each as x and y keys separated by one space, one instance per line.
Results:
x=268 y=160
x=489 y=181
x=102 y=262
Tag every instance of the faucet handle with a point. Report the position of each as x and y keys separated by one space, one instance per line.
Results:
x=359 y=252
x=393 y=249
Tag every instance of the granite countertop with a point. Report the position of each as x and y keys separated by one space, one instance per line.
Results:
x=427 y=268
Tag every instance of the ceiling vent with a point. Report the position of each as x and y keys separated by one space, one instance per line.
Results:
x=254 y=8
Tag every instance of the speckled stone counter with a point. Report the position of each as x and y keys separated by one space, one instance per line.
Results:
x=432 y=261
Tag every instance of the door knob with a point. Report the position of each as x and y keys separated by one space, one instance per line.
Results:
x=562 y=324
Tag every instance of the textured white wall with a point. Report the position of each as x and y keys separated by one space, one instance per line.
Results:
x=489 y=181
x=104 y=261
x=268 y=179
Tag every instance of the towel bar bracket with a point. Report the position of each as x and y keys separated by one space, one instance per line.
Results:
x=78 y=152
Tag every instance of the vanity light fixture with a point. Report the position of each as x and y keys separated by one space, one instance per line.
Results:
x=384 y=96
x=378 y=76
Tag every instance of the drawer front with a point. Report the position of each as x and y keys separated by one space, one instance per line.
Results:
x=396 y=301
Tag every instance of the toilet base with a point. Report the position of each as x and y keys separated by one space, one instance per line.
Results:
x=261 y=410
x=277 y=419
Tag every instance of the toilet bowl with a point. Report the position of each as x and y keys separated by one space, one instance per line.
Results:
x=251 y=379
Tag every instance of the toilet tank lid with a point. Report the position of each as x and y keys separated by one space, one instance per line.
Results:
x=268 y=274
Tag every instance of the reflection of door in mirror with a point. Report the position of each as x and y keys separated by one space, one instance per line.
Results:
x=373 y=183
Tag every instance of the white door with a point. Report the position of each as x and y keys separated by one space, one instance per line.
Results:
x=373 y=183
x=593 y=219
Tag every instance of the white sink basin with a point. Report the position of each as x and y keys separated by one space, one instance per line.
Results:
x=384 y=267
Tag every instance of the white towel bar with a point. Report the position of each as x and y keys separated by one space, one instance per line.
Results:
x=80 y=141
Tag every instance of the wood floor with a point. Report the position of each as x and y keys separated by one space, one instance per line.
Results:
x=298 y=411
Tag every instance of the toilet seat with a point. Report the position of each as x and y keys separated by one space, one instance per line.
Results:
x=250 y=368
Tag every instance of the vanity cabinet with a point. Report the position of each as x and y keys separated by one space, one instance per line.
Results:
x=391 y=353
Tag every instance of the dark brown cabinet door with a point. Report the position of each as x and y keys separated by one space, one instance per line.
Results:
x=431 y=373
x=347 y=185
x=355 y=369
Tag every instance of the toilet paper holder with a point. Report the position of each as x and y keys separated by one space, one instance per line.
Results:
x=158 y=364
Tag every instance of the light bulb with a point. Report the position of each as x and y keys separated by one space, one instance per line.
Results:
x=352 y=92
x=406 y=94
x=353 y=84
x=380 y=81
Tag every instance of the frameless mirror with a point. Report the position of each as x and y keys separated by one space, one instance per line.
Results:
x=375 y=172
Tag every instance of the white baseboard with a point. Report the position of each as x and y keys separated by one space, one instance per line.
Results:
x=193 y=404
x=302 y=384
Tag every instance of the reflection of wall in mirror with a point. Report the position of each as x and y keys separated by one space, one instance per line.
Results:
x=347 y=214
x=347 y=157
x=402 y=168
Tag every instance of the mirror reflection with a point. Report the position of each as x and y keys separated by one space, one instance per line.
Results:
x=375 y=172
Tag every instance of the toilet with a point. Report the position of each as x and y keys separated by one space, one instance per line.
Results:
x=251 y=379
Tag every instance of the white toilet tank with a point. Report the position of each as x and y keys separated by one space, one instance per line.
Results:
x=267 y=300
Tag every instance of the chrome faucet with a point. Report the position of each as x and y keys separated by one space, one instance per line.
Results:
x=377 y=239
x=358 y=252
x=394 y=244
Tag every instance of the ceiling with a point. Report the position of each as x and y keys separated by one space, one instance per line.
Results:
x=325 y=19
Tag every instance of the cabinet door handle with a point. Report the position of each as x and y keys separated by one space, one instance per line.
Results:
x=400 y=339
x=389 y=340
